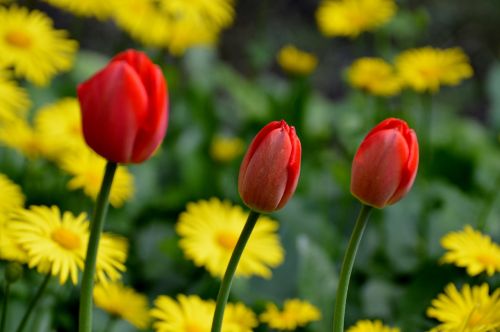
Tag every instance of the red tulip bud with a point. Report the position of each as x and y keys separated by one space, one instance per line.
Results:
x=270 y=169
x=125 y=108
x=385 y=165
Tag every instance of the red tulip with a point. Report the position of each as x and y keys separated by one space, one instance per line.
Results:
x=125 y=108
x=270 y=169
x=385 y=165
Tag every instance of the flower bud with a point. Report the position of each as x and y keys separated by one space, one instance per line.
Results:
x=270 y=169
x=385 y=165
x=124 y=108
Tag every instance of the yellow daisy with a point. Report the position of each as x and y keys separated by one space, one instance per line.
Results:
x=10 y=249
x=295 y=313
x=219 y=13
x=21 y=136
x=88 y=8
x=191 y=313
x=11 y=195
x=124 y=302
x=371 y=326
x=14 y=101
x=143 y=21
x=111 y=257
x=295 y=61
x=29 y=43
x=210 y=229
x=225 y=149
x=375 y=76
x=87 y=169
x=427 y=68
x=60 y=126
x=349 y=18
x=55 y=243
x=472 y=250
x=470 y=310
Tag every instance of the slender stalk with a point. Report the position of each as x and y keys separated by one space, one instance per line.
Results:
x=33 y=303
x=345 y=272
x=227 y=280
x=85 y=316
x=5 y=303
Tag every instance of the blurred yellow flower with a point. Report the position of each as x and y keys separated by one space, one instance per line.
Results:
x=349 y=18
x=29 y=43
x=225 y=149
x=295 y=313
x=60 y=126
x=19 y=135
x=191 y=313
x=94 y=8
x=427 y=68
x=14 y=101
x=111 y=256
x=11 y=195
x=143 y=21
x=375 y=76
x=471 y=309
x=10 y=249
x=371 y=326
x=295 y=61
x=472 y=250
x=210 y=229
x=87 y=169
x=217 y=13
x=55 y=243
x=124 y=302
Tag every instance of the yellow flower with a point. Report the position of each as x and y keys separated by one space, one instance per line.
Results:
x=143 y=21
x=225 y=149
x=295 y=61
x=10 y=249
x=29 y=43
x=374 y=76
x=60 y=126
x=470 y=310
x=95 y=8
x=87 y=169
x=14 y=101
x=124 y=302
x=210 y=229
x=21 y=136
x=295 y=313
x=55 y=244
x=472 y=250
x=219 y=13
x=349 y=18
x=427 y=68
x=191 y=313
x=11 y=195
x=371 y=326
x=111 y=257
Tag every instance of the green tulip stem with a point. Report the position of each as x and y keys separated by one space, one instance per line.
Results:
x=345 y=271
x=4 y=306
x=227 y=280
x=85 y=318
x=34 y=302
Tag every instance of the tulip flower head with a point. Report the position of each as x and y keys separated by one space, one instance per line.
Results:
x=125 y=108
x=270 y=169
x=385 y=165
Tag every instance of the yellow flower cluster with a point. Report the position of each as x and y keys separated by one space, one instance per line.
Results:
x=295 y=61
x=423 y=70
x=296 y=313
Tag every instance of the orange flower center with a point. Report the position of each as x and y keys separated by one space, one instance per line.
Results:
x=227 y=240
x=487 y=260
x=192 y=327
x=66 y=238
x=18 y=39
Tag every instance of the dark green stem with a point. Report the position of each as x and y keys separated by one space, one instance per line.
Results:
x=4 y=306
x=85 y=322
x=345 y=272
x=227 y=280
x=34 y=302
